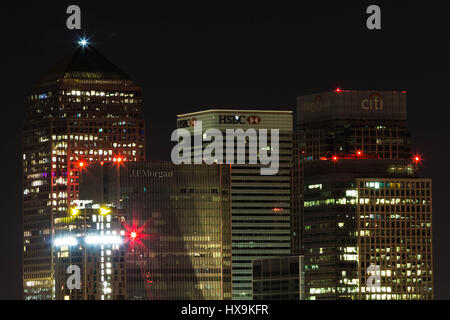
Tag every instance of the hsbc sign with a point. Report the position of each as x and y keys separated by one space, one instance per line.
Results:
x=227 y=119
x=187 y=123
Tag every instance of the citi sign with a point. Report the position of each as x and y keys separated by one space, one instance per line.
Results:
x=226 y=119
x=314 y=106
x=374 y=102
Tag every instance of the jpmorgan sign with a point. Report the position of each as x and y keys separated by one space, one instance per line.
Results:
x=138 y=173
x=374 y=102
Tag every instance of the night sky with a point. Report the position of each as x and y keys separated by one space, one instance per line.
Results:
x=195 y=55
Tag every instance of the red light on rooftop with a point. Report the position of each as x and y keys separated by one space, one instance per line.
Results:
x=338 y=90
x=334 y=158
x=359 y=153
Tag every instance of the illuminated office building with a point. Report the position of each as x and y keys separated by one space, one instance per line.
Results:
x=358 y=199
x=361 y=214
x=85 y=110
x=179 y=222
x=92 y=240
x=261 y=204
x=344 y=122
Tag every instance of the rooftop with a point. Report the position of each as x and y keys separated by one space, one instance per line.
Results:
x=234 y=111
x=85 y=63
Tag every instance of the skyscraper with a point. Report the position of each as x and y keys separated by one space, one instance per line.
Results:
x=344 y=122
x=84 y=110
x=261 y=204
x=178 y=225
x=347 y=121
x=359 y=202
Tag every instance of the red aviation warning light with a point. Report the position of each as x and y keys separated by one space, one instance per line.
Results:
x=334 y=158
x=338 y=90
x=417 y=158
x=133 y=235
x=137 y=249
x=359 y=153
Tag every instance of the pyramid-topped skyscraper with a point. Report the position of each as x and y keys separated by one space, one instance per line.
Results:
x=84 y=110
x=85 y=63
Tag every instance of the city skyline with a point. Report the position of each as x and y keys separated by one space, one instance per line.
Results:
x=172 y=98
x=86 y=112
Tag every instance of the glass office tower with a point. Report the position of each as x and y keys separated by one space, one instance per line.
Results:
x=178 y=226
x=359 y=201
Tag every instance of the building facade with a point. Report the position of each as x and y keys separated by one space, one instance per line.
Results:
x=180 y=219
x=279 y=278
x=89 y=248
x=348 y=121
x=261 y=204
x=84 y=110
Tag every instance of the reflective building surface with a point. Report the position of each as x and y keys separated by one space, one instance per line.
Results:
x=279 y=278
x=178 y=226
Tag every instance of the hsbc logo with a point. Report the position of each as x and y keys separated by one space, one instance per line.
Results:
x=187 y=123
x=227 y=119
x=253 y=120
x=374 y=102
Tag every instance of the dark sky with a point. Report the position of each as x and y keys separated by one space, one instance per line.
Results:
x=193 y=55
